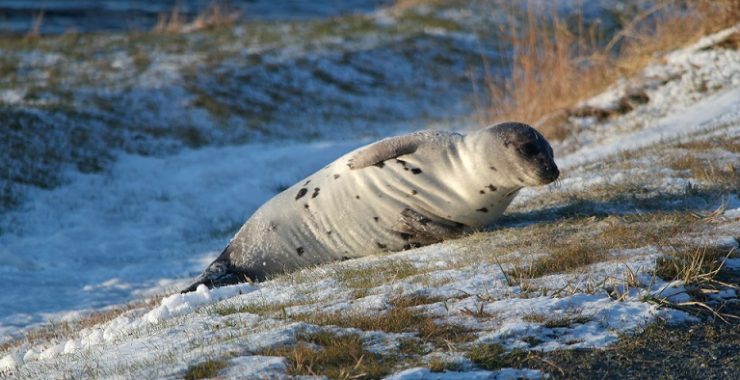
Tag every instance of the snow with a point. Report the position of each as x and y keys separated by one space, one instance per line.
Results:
x=502 y=374
x=160 y=201
x=177 y=304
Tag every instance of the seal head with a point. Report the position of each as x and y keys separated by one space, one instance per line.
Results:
x=517 y=153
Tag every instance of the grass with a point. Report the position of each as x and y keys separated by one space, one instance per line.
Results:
x=334 y=356
x=552 y=323
x=52 y=332
x=571 y=245
x=494 y=357
x=395 y=320
x=708 y=171
x=363 y=277
x=705 y=350
x=205 y=370
x=558 y=63
x=692 y=265
x=437 y=364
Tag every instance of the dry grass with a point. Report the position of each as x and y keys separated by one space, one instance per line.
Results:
x=726 y=143
x=334 y=356
x=557 y=64
x=572 y=245
x=217 y=15
x=437 y=364
x=395 y=320
x=708 y=171
x=698 y=268
x=692 y=265
x=205 y=370
x=367 y=277
x=414 y=300
x=66 y=329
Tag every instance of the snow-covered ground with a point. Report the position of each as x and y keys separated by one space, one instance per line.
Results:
x=182 y=208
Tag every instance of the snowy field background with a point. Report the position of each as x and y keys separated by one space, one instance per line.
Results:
x=694 y=95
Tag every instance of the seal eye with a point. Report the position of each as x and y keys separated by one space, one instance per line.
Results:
x=529 y=149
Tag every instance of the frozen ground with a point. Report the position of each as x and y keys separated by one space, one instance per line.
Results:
x=631 y=168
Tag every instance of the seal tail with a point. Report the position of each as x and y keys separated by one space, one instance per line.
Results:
x=219 y=273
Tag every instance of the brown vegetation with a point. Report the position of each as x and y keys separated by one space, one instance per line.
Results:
x=557 y=63
x=334 y=356
x=217 y=15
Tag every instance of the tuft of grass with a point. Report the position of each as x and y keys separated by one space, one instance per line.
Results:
x=411 y=347
x=707 y=171
x=437 y=364
x=566 y=322
x=370 y=277
x=488 y=356
x=557 y=62
x=260 y=309
x=553 y=323
x=414 y=300
x=217 y=15
x=205 y=370
x=396 y=320
x=692 y=265
x=335 y=356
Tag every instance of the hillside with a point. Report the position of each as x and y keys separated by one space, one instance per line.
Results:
x=642 y=228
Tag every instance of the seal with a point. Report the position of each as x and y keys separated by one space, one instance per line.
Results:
x=395 y=194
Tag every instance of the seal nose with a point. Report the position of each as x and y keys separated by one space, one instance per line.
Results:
x=551 y=173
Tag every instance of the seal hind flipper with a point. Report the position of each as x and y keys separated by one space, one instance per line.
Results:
x=388 y=148
x=220 y=273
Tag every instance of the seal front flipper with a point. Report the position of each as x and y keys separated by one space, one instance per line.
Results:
x=388 y=148
x=220 y=273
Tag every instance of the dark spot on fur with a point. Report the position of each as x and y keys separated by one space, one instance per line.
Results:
x=381 y=245
x=482 y=192
x=482 y=209
x=305 y=206
x=519 y=179
x=493 y=168
x=375 y=218
x=315 y=193
x=405 y=236
x=402 y=162
x=307 y=182
x=507 y=143
x=345 y=258
x=416 y=170
x=336 y=176
x=492 y=188
x=301 y=193
x=411 y=245
x=414 y=192
x=328 y=232
x=357 y=197
x=272 y=226
x=300 y=251
x=380 y=164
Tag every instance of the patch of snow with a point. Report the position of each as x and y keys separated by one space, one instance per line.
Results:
x=502 y=374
